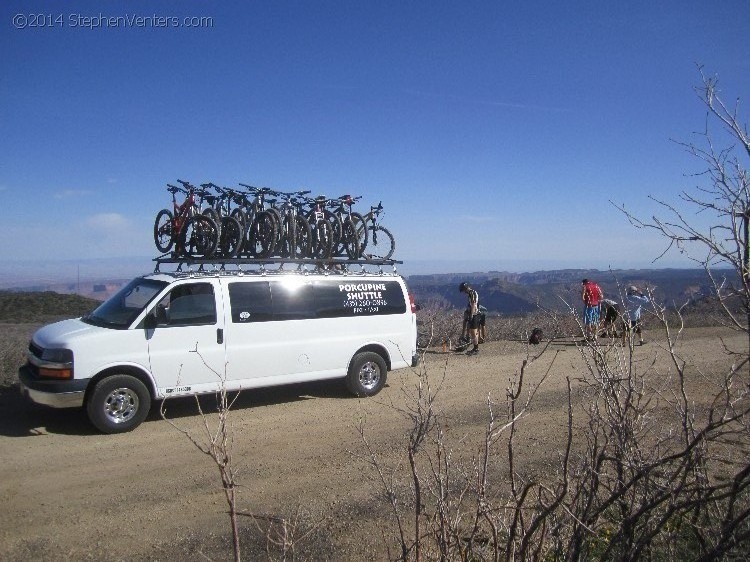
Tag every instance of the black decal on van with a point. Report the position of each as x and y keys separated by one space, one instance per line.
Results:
x=298 y=298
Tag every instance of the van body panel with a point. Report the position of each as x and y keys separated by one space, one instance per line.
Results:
x=94 y=348
x=185 y=356
x=59 y=333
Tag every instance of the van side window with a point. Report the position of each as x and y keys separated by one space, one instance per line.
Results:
x=188 y=305
x=292 y=300
x=250 y=302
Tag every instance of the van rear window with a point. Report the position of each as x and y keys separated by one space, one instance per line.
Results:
x=297 y=298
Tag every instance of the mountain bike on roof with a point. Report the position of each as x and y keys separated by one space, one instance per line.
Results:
x=214 y=204
x=231 y=232
x=379 y=243
x=295 y=235
x=349 y=234
x=321 y=225
x=263 y=222
x=185 y=229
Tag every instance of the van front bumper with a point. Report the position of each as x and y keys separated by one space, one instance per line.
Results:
x=53 y=393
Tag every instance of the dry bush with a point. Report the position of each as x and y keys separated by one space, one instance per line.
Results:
x=13 y=345
x=518 y=328
x=215 y=440
x=653 y=465
x=438 y=322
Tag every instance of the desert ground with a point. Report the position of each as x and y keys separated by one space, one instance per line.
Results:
x=69 y=492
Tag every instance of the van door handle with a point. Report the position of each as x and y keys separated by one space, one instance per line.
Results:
x=219 y=335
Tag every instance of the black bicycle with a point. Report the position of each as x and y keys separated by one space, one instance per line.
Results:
x=262 y=222
x=321 y=225
x=295 y=235
x=379 y=243
x=231 y=231
x=349 y=234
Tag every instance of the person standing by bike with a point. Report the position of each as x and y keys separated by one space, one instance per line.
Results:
x=465 y=326
x=474 y=316
x=635 y=300
x=592 y=295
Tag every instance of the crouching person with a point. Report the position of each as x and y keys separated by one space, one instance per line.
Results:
x=609 y=314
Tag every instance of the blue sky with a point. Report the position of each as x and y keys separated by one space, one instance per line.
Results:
x=495 y=133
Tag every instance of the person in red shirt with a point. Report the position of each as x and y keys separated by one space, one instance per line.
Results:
x=591 y=294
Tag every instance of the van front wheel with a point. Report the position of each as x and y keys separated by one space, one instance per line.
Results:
x=367 y=374
x=118 y=404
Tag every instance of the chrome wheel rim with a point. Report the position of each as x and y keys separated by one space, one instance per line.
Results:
x=369 y=375
x=121 y=405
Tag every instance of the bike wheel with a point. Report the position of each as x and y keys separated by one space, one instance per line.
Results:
x=339 y=237
x=287 y=238
x=352 y=243
x=381 y=245
x=241 y=217
x=304 y=237
x=213 y=214
x=279 y=229
x=199 y=237
x=322 y=247
x=231 y=237
x=164 y=231
x=360 y=227
x=262 y=236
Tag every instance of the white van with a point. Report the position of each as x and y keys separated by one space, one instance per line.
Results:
x=178 y=334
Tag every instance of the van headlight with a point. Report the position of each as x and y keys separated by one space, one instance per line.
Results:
x=57 y=355
x=53 y=363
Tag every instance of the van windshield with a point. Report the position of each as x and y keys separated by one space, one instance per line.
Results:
x=121 y=309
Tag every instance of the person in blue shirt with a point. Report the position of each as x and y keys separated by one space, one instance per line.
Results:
x=635 y=300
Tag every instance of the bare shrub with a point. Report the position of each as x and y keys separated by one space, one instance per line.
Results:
x=723 y=202
x=439 y=322
x=652 y=464
x=13 y=346
x=555 y=325
x=216 y=441
x=283 y=534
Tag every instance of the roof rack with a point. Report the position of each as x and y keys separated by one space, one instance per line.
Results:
x=327 y=266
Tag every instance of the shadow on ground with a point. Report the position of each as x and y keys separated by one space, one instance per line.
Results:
x=21 y=418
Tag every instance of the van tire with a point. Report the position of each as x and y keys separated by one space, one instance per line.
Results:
x=367 y=374
x=118 y=403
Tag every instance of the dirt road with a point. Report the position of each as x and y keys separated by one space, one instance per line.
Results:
x=68 y=492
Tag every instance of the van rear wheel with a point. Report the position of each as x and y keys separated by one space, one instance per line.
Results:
x=367 y=374
x=118 y=404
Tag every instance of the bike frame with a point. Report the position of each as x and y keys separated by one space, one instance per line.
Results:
x=182 y=212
